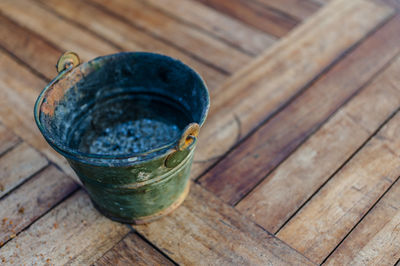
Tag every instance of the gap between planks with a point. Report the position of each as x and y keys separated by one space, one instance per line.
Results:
x=263 y=97
x=353 y=74
x=347 y=196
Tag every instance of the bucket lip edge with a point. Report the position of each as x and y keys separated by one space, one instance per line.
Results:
x=119 y=160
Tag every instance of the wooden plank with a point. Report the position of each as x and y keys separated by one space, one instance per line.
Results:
x=133 y=250
x=278 y=197
x=29 y=47
x=267 y=84
x=17 y=165
x=393 y=3
x=57 y=30
x=204 y=230
x=184 y=37
x=73 y=232
x=376 y=240
x=256 y=15
x=34 y=198
x=299 y=9
x=127 y=37
x=203 y=225
x=331 y=213
x=233 y=31
x=7 y=139
x=17 y=99
x=274 y=141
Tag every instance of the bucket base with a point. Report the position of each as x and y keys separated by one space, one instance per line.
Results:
x=149 y=218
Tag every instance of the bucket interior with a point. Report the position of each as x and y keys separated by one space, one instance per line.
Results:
x=127 y=103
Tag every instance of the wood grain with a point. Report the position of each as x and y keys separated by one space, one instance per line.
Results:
x=58 y=31
x=205 y=231
x=186 y=38
x=17 y=99
x=34 y=198
x=260 y=92
x=17 y=165
x=326 y=219
x=256 y=15
x=232 y=31
x=203 y=225
x=376 y=240
x=299 y=9
x=125 y=36
x=73 y=232
x=133 y=250
x=29 y=47
x=7 y=139
x=279 y=196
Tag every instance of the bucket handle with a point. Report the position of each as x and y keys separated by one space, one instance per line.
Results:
x=189 y=136
x=68 y=60
x=185 y=144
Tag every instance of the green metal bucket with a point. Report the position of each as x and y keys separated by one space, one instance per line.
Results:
x=128 y=125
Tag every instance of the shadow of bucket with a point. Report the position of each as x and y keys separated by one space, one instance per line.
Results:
x=128 y=125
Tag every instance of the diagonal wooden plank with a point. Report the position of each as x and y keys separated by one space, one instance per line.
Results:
x=274 y=141
x=56 y=30
x=7 y=139
x=34 y=198
x=326 y=219
x=133 y=250
x=204 y=230
x=17 y=165
x=256 y=15
x=29 y=47
x=78 y=234
x=299 y=9
x=230 y=30
x=73 y=232
x=279 y=196
x=184 y=37
x=376 y=240
x=20 y=94
x=262 y=88
x=125 y=36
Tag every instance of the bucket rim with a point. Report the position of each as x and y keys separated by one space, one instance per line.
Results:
x=111 y=160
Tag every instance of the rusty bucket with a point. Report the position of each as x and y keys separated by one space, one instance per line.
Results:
x=128 y=124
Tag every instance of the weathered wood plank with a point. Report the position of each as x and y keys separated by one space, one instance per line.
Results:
x=127 y=37
x=58 y=31
x=29 y=47
x=331 y=213
x=78 y=234
x=133 y=250
x=299 y=9
x=73 y=232
x=260 y=89
x=275 y=86
x=278 y=197
x=17 y=99
x=206 y=231
x=376 y=240
x=393 y=3
x=17 y=165
x=34 y=198
x=7 y=139
x=218 y=24
x=199 y=44
x=256 y=15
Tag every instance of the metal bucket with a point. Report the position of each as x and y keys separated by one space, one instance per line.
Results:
x=128 y=125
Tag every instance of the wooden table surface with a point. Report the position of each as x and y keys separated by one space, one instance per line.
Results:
x=298 y=162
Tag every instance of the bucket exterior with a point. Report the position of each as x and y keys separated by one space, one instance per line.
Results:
x=138 y=193
x=129 y=189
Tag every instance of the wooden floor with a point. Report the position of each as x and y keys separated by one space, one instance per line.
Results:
x=298 y=162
